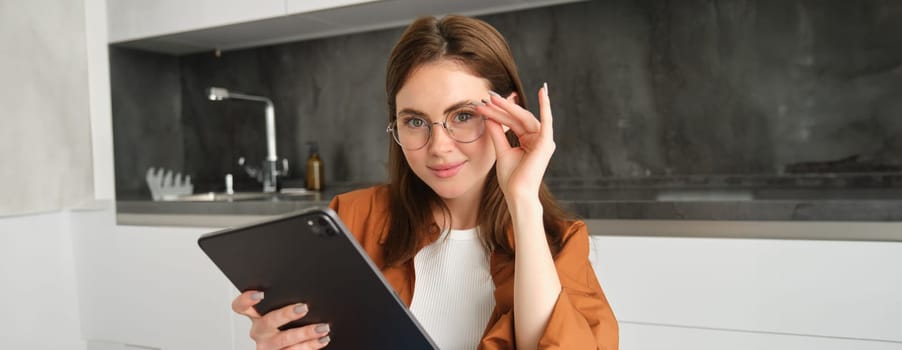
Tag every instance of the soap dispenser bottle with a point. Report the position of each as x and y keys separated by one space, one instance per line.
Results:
x=314 y=169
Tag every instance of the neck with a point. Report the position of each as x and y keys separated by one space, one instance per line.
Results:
x=464 y=212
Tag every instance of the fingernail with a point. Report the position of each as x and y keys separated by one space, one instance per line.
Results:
x=324 y=340
x=300 y=308
x=495 y=94
x=546 y=88
x=257 y=296
x=322 y=328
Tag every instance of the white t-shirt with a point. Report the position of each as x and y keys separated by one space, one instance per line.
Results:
x=453 y=292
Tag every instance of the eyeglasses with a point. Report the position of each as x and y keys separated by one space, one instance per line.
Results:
x=462 y=124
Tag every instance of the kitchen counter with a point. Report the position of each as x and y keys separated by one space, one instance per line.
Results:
x=842 y=212
x=593 y=204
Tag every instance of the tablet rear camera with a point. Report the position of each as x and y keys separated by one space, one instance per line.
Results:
x=321 y=227
x=330 y=231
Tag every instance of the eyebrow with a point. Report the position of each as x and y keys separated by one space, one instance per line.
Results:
x=447 y=110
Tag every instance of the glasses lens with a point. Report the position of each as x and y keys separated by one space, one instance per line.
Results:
x=464 y=125
x=411 y=133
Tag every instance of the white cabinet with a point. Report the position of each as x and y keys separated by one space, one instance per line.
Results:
x=138 y=19
x=130 y=20
x=302 y=6
x=180 y=27
x=150 y=287
x=667 y=292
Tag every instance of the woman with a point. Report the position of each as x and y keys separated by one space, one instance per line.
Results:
x=466 y=207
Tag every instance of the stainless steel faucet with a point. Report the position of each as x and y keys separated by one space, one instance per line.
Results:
x=269 y=172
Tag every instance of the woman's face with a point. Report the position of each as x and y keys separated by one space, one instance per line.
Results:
x=454 y=170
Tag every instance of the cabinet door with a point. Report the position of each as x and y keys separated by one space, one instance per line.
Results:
x=301 y=6
x=137 y=19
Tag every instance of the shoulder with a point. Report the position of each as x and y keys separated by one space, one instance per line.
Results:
x=574 y=229
x=572 y=261
x=365 y=212
x=362 y=198
x=574 y=238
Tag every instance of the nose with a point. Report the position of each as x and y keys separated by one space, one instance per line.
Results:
x=439 y=141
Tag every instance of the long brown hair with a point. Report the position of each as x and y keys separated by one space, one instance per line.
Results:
x=479 y=47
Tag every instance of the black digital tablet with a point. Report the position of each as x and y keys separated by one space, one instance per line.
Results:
x=310 y=257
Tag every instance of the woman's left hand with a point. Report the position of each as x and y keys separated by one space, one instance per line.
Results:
x=520 y=169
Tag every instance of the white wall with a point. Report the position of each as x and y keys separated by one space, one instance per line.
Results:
x=45 y=140
x=99 y=99
x=37 y=284
x=53 y=58
x=45 y=144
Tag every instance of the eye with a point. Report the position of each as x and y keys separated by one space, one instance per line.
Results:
x=415 y=122
x=463 y=117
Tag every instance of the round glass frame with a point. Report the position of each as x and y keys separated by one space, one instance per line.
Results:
x=446 y=124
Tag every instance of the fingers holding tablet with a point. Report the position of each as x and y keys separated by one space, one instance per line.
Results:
x=314 y=336
x=265 y=329
x=244 y=303
x=270 y=322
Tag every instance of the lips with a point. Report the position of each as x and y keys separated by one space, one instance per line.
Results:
x=446 y=170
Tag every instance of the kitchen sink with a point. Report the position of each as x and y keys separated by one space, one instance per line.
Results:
x=283 y=195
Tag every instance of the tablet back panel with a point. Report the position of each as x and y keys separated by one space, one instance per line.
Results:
x=310 y=257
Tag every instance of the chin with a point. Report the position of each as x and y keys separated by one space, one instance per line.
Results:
x=448 y=190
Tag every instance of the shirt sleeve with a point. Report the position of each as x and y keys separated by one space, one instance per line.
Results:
x=581 y=318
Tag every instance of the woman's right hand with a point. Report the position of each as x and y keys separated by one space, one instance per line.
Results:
x=265 y=329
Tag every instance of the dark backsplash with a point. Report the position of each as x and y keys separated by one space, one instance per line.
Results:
x=640 y=90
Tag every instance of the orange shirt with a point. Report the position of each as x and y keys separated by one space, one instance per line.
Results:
x=581 y=319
